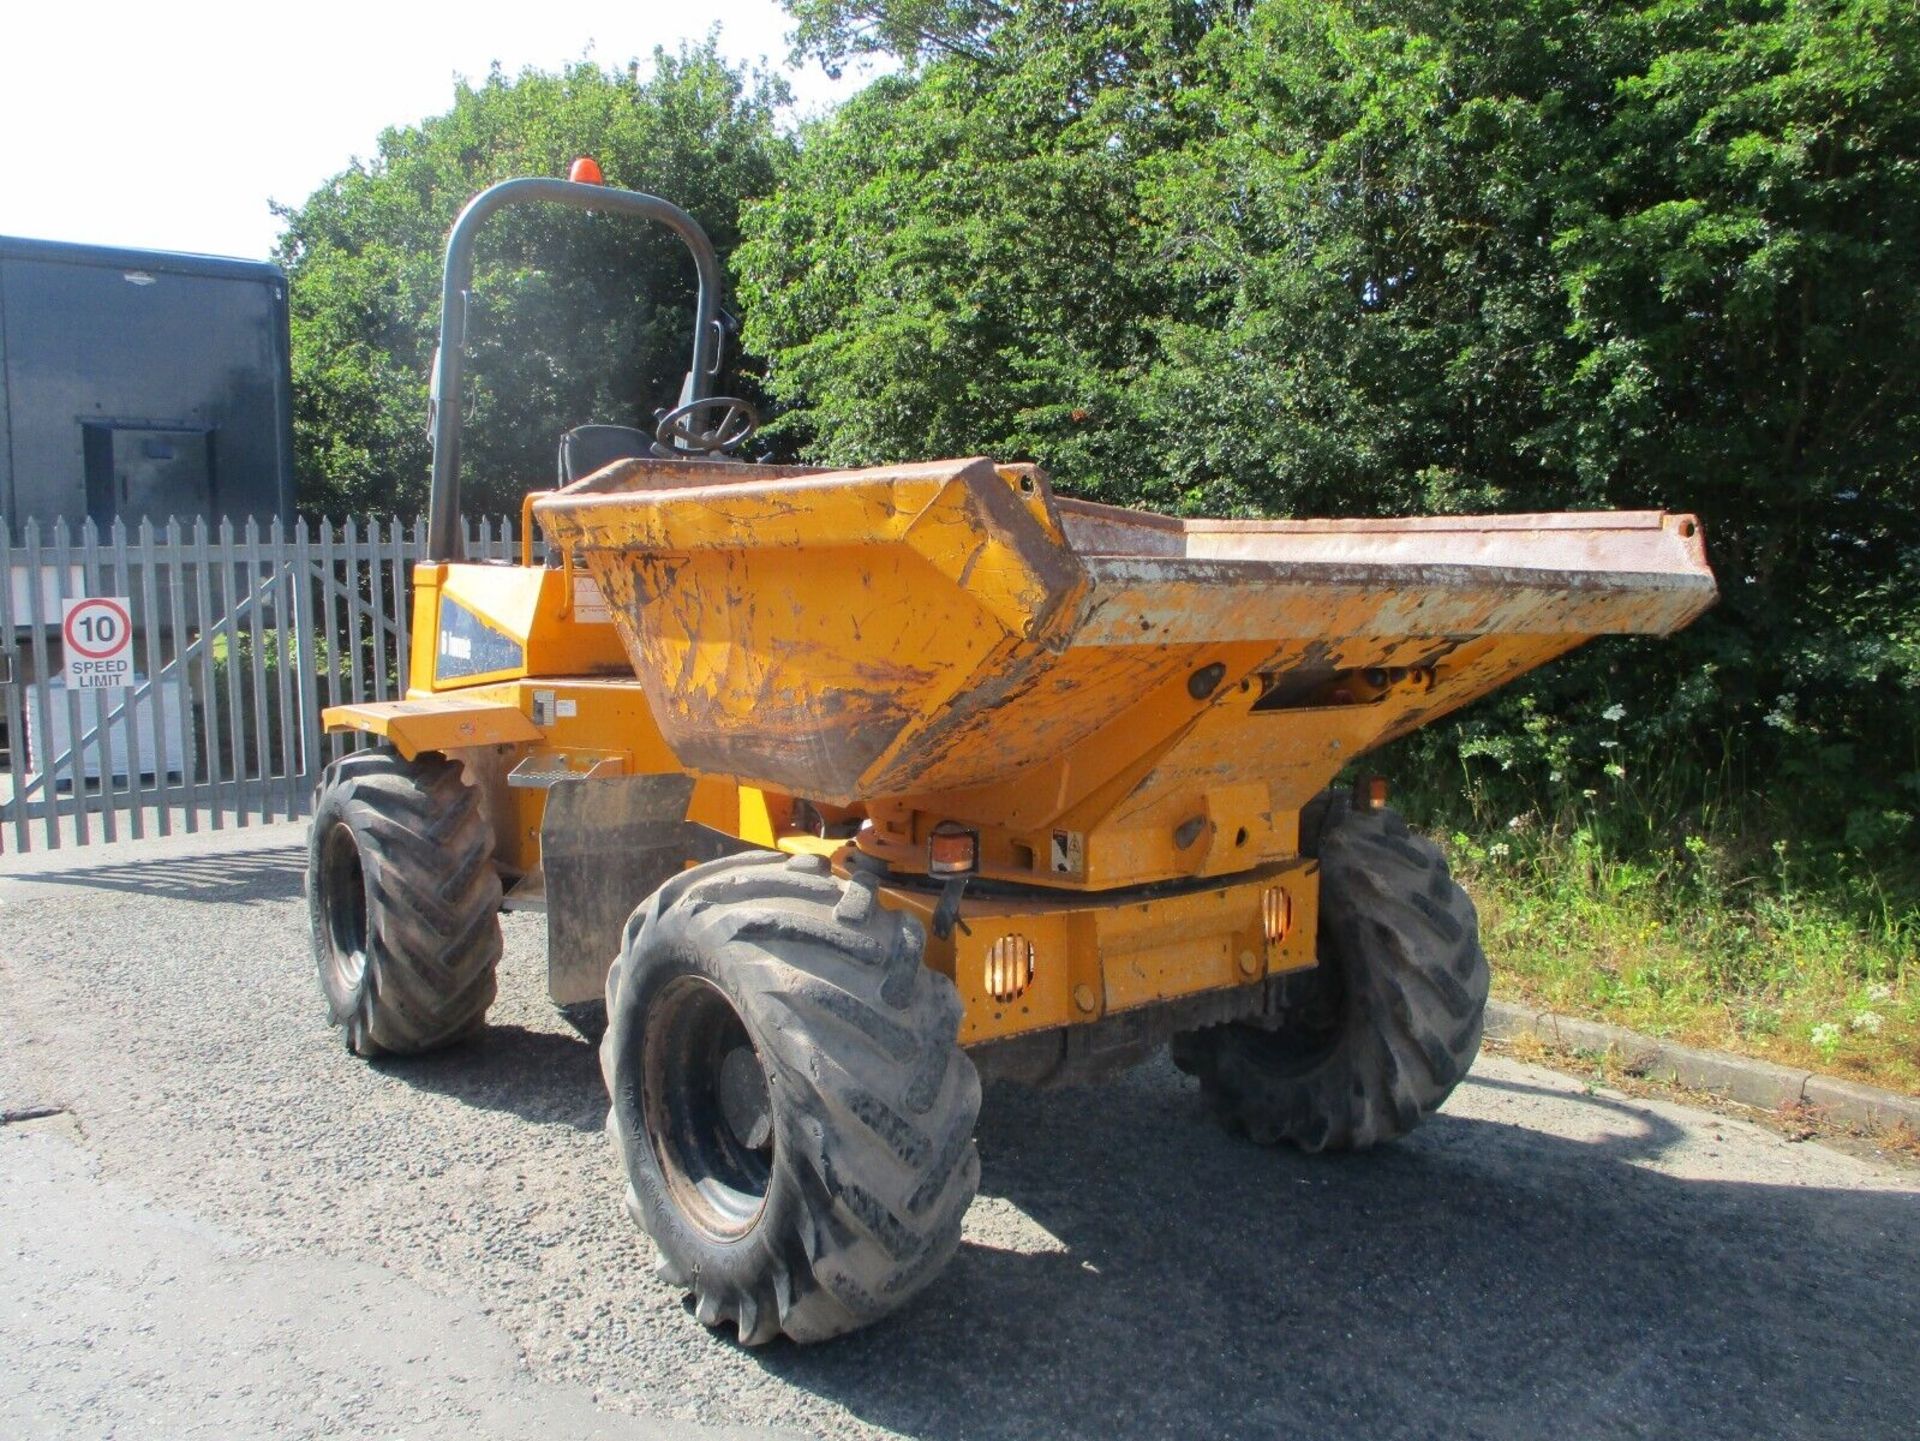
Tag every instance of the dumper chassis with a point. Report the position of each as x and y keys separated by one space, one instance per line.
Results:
x=841 y=790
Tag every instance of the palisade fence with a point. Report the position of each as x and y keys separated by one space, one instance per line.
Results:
x=239 y=638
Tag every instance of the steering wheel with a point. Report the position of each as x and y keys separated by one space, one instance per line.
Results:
x=707 y=427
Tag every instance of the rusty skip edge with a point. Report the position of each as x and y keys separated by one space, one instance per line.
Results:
x=594 y=513
x=1169 y=610
x=1581 y=550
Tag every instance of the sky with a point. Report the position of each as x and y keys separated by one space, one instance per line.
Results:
x=171 y=126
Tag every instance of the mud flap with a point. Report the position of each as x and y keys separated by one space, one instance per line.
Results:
x=605 y=846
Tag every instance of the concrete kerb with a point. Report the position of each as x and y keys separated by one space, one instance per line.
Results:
x=1737 y=1078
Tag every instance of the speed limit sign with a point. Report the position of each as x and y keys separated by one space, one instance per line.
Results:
x=98 y=632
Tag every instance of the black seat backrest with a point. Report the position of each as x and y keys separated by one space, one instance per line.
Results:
x=586 y=448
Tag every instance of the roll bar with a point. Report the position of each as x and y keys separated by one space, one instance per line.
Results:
x=443 y=407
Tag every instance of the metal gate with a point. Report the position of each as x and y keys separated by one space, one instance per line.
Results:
x=234 y=642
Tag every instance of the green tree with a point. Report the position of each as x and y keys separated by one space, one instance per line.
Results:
x=834 y=31
x=958 y=260
x=575 y=318
x=1351 y=256
x=1567 y=256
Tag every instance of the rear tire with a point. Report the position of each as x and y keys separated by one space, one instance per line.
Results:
x=1392 y=1022
x=404 y=902
x=790 y=1106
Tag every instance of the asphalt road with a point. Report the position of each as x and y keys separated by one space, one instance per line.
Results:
x=236 y=1228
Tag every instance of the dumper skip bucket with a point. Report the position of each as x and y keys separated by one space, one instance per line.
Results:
x=921 y=630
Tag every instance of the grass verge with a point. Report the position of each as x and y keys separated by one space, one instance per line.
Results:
x=1680 y=948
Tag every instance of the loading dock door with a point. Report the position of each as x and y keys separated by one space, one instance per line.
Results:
x=155 y=473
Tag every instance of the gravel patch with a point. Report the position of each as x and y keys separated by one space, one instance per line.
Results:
x=1542 y=1258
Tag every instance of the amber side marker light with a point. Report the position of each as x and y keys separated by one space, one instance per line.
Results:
x=1375 y=793
x=1276 y=914
x=952 y=850
x=585 y=171
x=1009 y=968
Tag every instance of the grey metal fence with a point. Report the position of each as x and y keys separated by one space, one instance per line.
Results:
x=234 y=641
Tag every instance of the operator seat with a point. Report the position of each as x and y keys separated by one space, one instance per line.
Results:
x=587 y=448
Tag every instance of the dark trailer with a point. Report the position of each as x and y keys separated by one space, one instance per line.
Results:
x=142 y=385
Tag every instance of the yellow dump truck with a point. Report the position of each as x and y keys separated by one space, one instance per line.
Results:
x=845 y=789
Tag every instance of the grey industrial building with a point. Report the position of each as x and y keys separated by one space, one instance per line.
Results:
x=142 y=385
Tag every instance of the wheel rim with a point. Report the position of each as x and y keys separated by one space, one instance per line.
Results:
x=343 y=901
x=708 y=1108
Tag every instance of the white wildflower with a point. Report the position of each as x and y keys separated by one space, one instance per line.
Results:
x=1880 y=992
x=1825 y=1038
x=1614 y=713
x=1867 y=1022
x=1499 y=850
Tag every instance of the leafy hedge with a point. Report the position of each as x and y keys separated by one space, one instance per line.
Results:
x=1253 y=257
x=1310 y=257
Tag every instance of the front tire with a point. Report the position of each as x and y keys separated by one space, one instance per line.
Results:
x=404 y=902
x=1391 y=1019
x=790 y=1106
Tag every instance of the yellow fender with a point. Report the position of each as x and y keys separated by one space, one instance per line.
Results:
x=436 y=723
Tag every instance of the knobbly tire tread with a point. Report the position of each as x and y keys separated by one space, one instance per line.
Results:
x=1407 y=939
x=874 y=1102
x=433 y=901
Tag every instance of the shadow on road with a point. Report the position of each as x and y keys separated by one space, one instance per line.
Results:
x=232 y=877
x=548 y=1077
x=1480 y=1279
x=1134 y=1271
